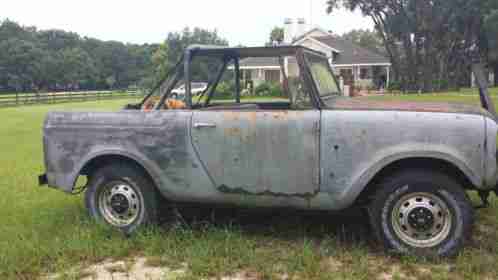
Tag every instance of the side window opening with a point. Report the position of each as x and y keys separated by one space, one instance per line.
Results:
x=266 y=83
x=265 y=87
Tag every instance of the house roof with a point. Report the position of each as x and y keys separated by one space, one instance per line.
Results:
x=307 y=33
x=348 y=53
x=259 y=62
x=352 y=53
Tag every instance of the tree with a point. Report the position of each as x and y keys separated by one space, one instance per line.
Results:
x=366 y=39
x=178 y=41
x=429 y=42
x=77 y=68
x=54 y=59
x=161 y=62
x=276 y=36
x=32 y=59
x=19 y=63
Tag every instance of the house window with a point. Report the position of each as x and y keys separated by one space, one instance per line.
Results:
x=272 y=76
x=346 y=73
x=248 y=74
x=365 y=73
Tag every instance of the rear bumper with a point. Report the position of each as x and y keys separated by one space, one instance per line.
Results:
x=58 y=181
x=42 y=180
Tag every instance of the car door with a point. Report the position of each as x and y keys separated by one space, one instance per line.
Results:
x=274 y=152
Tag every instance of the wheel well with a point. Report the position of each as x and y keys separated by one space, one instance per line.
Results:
x=420 y=163
x=103 y=160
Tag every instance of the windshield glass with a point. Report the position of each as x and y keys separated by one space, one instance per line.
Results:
x=322 y=75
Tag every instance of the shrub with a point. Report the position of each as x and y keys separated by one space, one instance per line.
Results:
x=225 y=90
x=394 y=86
x=440 y=84
x=276 y=90
x=269 y=89
x=262 y=89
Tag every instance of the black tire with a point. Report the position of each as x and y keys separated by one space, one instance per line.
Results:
x=140 y=194
x=395 y=222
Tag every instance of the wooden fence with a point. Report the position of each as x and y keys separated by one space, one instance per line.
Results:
x=21 y=99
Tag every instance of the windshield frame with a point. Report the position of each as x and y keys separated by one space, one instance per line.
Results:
x=329 y=69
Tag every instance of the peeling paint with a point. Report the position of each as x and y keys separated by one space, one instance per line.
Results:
x=243 y=190
x=273 y=152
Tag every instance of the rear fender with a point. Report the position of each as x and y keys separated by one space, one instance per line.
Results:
x=149 y=166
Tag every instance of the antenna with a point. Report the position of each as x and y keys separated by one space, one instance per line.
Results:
x=311 y=14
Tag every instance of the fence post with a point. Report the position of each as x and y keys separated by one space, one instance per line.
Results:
x=17 y=98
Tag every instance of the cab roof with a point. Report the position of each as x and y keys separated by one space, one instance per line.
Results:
x=245 y=52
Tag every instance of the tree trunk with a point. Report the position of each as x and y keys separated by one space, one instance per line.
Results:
x=411 y=81
x=495 y=70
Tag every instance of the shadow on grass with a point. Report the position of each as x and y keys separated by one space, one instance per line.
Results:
x=349 y=227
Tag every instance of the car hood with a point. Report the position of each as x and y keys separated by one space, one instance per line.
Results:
x=360 y=103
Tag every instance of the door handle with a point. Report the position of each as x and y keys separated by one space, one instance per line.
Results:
x=204 y=125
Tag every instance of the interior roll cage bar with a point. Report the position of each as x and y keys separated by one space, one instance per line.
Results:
x=228 y=54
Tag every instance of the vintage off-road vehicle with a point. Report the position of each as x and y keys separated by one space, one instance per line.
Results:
x=408 y=164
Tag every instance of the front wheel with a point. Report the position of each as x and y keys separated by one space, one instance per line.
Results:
x=122 y=197
x=421 y=212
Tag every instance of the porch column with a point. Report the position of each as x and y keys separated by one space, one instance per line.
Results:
x=286 y=66
x=388 y=68
x=355 y=74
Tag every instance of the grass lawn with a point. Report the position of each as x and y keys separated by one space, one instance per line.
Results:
x=45 y=231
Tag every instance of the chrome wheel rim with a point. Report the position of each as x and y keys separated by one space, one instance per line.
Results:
x=421 y=219
x=119 y=204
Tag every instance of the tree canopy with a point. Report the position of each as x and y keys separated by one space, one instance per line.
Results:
x=38 y=60
x=365 y=38
x=430 y=43
x=276 y=36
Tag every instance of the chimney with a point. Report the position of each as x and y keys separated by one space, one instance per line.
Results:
x=301 y=27
x=288 y=31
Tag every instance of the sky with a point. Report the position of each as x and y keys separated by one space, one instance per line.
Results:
x=247 y=22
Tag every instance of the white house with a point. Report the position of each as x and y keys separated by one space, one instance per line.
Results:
x=356 y=65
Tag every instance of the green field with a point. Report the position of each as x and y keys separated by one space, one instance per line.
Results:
x=44 y=231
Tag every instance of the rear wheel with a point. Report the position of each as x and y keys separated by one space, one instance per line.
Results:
x=421 y=212
x=122 y=197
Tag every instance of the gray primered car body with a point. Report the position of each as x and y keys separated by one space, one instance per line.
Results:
x=320 y=158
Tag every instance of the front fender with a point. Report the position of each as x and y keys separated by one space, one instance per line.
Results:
x=365 y=174
x=356 y=145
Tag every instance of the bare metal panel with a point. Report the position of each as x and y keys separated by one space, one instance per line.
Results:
x=357 y=144
x=160 y=141
x=261 y=152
